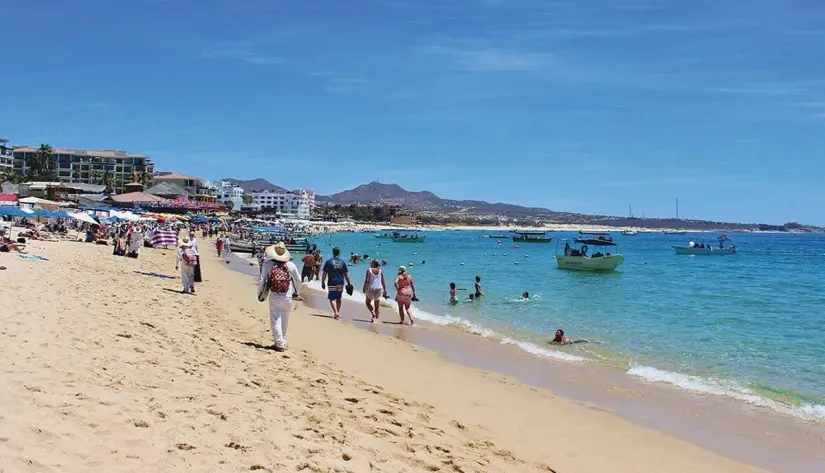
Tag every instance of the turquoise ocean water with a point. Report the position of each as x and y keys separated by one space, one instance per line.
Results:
x=750 y=326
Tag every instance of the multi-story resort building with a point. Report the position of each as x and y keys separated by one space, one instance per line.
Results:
x=6 y=157
x=197 y=188
x=226 y=192
x=298 y=203
x=89 y=166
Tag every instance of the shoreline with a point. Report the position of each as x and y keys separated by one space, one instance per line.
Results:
x=728 y=426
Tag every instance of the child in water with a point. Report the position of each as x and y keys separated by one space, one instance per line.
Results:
x=525 y=296
x=453 y=299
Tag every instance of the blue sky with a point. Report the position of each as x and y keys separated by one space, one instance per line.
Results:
x=577 y=105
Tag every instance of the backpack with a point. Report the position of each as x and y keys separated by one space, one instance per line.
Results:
x=279 y=278
x=190 y=256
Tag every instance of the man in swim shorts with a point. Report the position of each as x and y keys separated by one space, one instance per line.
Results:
x=336 y=273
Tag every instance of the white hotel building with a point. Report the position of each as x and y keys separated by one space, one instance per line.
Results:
x=225 y=191
x=298 y=203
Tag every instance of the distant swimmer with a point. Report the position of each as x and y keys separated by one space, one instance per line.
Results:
x=560 y=339
x=525 y=296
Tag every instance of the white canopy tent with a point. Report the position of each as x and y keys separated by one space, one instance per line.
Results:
x=83 y=217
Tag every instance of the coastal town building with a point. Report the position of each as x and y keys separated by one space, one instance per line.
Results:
x=227 y=191
x=6 y=157
x=298 y=203
x=88 y=166
x=197 y=188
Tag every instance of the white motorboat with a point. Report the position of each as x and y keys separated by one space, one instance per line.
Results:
x=630 y=232
x=580 y=259
x=674 y=232
x=702 y=249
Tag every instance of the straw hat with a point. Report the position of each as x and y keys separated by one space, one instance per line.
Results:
x=278 y=252
x=184 y=241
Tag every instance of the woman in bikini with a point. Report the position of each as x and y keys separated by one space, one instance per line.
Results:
x=405 y=293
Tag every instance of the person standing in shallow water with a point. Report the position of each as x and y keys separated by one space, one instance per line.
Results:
x=374 y=288
x=478 y=292
x=404 y=295
x=336 y=273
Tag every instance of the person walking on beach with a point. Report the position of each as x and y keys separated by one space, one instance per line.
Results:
x=404 y=294
x=219 y=245
x=374 y=288
x=186 y=261
x=308 y=269
x=277 y=274
x=194 y=242
x=227 y=247
x=319 y=259
x=336 y=272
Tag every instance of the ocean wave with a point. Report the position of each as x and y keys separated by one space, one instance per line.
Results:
x=466 y=325
x=807 y=411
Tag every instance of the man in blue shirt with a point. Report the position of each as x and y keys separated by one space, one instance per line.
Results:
x=336 y=271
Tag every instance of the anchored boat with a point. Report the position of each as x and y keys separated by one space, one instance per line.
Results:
x=525 y=236
x=408 y=237
x=703 y=249
x=579 y=257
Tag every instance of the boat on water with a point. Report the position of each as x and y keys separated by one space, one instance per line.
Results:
x=594 y=232
x=703 y=249
x=525 y=236
x=630 y=232
x=296 y=240
x=578 y=256
x=674 y=232
x=408 y=237
x=496 y=237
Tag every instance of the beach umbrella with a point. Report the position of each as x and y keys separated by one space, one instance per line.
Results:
x=9 y=211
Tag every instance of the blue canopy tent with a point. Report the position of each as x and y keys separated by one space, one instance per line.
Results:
x=10 y=211
x=199 y=219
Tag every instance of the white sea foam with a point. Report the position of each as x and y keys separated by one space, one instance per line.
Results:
x=815 y=412
x=450 y=320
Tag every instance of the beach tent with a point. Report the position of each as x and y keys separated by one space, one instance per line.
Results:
x=83 y=217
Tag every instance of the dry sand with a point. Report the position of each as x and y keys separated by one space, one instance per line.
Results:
x=107 y=369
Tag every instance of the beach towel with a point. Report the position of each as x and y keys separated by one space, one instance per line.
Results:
x=34 y=257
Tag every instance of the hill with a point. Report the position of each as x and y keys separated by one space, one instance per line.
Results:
x=426 y=201
x=428 y=204
x=255 y=185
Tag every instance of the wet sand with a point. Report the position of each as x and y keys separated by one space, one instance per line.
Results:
x=748 y=433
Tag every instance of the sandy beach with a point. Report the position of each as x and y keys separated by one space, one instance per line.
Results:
x=109 y=368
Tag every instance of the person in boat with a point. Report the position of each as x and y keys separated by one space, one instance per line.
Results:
x=479 y=292
x=567 y=249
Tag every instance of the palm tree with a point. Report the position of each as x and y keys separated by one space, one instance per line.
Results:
x=42 y=167
x=117 y=184
x=246 y=199
x=75 y=175
x=97 y=177
x=108 y=181
x=145 y=178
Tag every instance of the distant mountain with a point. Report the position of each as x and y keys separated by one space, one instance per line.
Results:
x=426 y=201
x=255 y=185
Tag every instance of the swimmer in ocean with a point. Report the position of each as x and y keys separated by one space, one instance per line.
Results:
x=453 y=299
x=478 y=293
x=525 y=296
x=560 y=339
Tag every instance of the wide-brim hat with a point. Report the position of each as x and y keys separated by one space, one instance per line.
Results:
x=184 y=241
x=278 y=252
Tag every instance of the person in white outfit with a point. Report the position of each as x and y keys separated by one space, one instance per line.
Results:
x=279 y=281
x=186 y=261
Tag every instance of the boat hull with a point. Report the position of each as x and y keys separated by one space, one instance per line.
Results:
x=687 y=250
x=532 y=240
x=408 y=240
x=584 y=263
